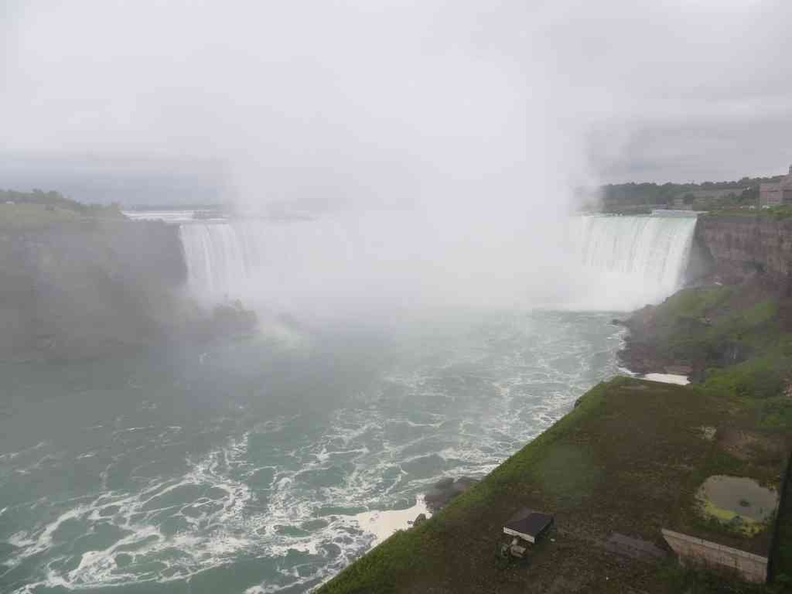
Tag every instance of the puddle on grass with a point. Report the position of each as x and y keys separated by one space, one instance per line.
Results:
x=739 y=502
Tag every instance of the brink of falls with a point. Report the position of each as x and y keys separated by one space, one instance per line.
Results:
x=597 y=263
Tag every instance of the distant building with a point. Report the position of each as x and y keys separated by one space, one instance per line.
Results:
x=773 y=194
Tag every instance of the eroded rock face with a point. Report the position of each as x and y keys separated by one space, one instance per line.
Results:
x=87 y=290
x=746 y=248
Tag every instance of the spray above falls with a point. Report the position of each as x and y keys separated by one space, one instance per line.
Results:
x=595 y=263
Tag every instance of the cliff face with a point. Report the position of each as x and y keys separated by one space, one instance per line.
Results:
x=748 y=248
x=88 y=289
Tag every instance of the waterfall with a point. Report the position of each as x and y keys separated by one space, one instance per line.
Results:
x=637 y=259
x=603 y=263
x=220 y=260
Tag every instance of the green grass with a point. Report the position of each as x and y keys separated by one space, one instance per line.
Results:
x=31 y=216
x=629 y=459
x=762 y=377
x=777 y=213
x=711 y=327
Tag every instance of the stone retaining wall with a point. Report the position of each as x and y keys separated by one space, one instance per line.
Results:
x=696 y=551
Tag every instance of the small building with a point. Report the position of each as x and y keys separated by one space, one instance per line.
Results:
x=775 y=194
x=529 y=525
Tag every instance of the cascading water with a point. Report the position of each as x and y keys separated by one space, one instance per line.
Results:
x=269 y=464
x=631 y=261
x=605 y=262
x=219 y=259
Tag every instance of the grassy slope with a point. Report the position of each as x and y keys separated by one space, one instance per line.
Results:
x=22 y=217
x=778 y=213
x=735 y=337
x=628 y=459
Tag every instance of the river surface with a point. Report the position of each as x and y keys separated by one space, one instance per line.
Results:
x=246 y=465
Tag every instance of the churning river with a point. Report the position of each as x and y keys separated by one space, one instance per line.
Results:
x=267 y=463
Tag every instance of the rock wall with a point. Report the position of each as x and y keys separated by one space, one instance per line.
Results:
x=89 y=288
x=741 y=248
x=698 y=552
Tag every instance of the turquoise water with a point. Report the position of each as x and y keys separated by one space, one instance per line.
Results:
x=239 y=466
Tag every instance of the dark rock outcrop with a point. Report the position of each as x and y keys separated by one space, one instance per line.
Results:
x=445 y=490
x=89 y=288
x=230 y=318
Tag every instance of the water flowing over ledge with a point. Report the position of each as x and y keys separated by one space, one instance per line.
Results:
x=592 y=263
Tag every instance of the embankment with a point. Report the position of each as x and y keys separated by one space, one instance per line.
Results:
x=627 y=461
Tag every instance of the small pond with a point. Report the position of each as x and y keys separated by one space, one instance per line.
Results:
x=737 y=500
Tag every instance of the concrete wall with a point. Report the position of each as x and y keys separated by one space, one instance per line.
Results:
x=696 y=551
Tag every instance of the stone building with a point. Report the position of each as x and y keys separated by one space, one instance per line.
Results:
x=773 y=194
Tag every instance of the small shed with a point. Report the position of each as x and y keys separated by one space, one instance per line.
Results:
x=529 y=525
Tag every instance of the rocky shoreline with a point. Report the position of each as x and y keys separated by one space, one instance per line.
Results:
x=628 y=460
x=445 y=490
x=641 y=355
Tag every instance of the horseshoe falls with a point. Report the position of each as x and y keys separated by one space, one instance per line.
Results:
x=626 y=262
x=602 y=262
x=267 y=463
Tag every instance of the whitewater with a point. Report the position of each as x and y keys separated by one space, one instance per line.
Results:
x=257 y=464
x=606 y=263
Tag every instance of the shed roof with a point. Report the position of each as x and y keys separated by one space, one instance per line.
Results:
x=530 y=523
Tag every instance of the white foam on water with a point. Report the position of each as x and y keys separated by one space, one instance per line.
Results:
x=331 y=493
x=385 y=523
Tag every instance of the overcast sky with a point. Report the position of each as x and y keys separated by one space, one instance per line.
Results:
x=366 y=101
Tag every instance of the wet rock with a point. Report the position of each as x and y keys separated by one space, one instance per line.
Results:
x=445 y=490
x=232 y=318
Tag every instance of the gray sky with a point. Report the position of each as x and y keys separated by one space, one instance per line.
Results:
x=381 y=102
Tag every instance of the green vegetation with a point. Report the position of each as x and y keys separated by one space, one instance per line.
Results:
x=629 y=458
x=713 y=327
x=640 y=197
x=734 y=337
x=777 y=213
x=30 y=210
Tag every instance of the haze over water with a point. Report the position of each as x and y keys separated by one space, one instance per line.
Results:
x=439 y=311
x=241 y=466
x=248 y=464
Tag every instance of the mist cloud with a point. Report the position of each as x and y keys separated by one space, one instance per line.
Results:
x=383 y=102
x=474 y=121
